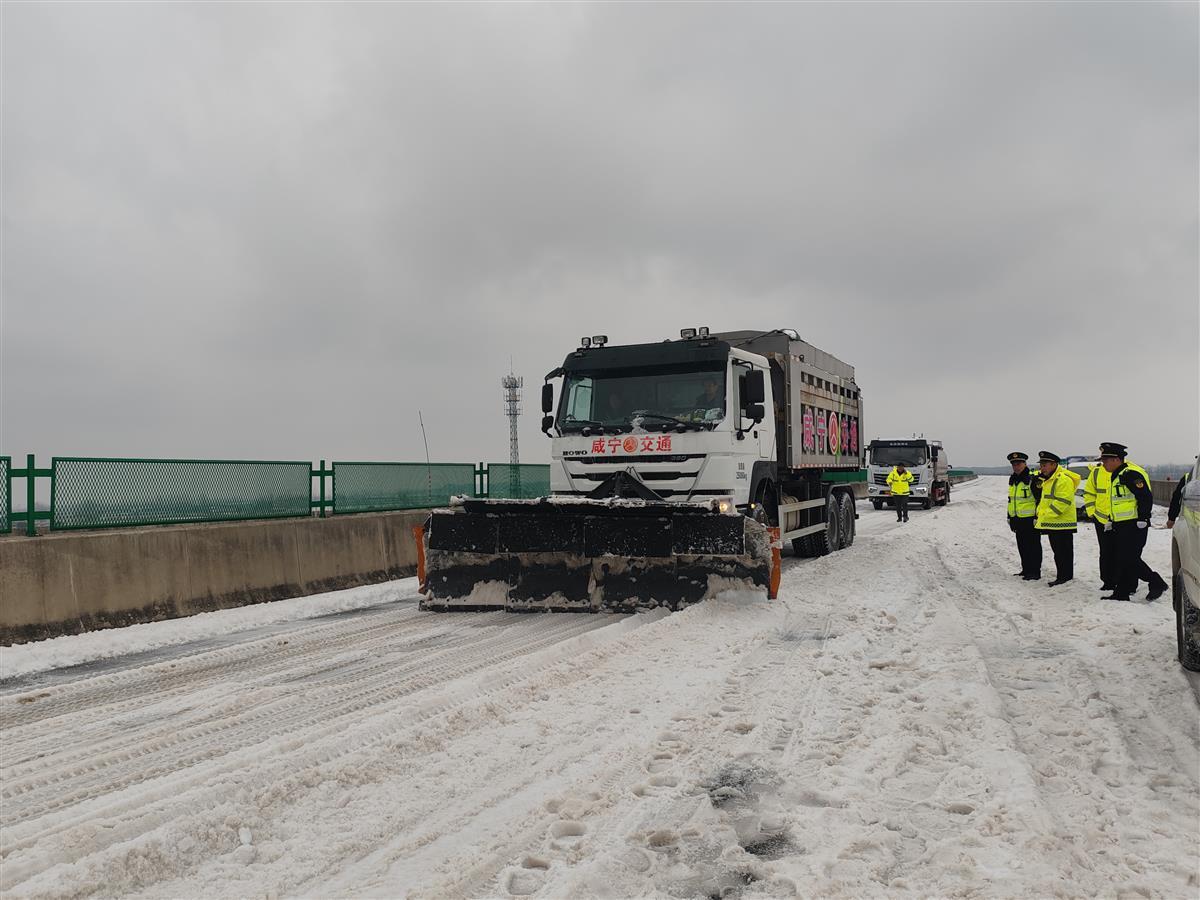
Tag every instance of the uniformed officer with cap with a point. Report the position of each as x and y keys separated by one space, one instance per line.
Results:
x=1056 y=514
x=1022 y=511
x=1130 y=501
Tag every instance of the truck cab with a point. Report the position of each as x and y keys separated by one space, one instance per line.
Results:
x=927 y=461
x=688 y=419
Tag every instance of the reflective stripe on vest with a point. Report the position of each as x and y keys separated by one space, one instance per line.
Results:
x=1021 y=502
x=1124 y=501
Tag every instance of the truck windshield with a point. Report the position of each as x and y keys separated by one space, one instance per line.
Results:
x=657 y=400
x=893 y=456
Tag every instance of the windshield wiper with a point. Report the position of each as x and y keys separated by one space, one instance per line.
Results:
x=585 y=424
x=666 y=418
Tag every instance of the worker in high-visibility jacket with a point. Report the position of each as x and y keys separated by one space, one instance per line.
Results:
x=899 y=481
x=1096 y=508
x=1130 y=500
x=1022 y=510
x=1056 y=513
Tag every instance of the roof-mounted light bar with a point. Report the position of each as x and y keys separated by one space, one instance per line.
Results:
x=585 y=342
x=687 y=333
x=599 y=340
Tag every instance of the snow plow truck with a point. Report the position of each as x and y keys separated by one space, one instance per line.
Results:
x=678 y=469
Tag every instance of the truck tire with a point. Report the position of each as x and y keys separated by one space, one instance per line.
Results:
x=846 y=510
x=946 y=496
x=878 y=504
x=1187 y=618
x=927 y=503
x=825 y=542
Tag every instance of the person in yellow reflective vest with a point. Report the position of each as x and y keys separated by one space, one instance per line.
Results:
x=900 y=480
x=1022 y=510
x=1096 y=508
x=1130 y=501
x=1056 y=512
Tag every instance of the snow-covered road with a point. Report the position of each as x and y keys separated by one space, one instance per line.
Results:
x=908 y=719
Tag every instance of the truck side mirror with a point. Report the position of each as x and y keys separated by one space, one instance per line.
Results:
x=756 y=390
x=547 y=424
x=756 y=412
x=547 y=398
x=935 y=451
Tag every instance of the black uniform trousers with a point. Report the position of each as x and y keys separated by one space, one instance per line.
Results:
x=1029 y=545
x=1128 y=543
x=1108 y=574
x=1062 y=545
x=901 y=507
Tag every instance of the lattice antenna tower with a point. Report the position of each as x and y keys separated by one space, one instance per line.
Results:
x=512 y=385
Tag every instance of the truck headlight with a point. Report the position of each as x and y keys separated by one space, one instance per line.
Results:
x=723 y=505
x=873 y=489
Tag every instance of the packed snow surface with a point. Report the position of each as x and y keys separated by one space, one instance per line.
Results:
x=907 y=719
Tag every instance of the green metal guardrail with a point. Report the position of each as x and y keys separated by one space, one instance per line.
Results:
x=516 y=482
x=105 y=492
x=91 y=492
x=5 y=495
x=108 y=492
x=375 y=487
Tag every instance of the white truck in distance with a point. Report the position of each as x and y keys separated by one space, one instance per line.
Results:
x=925 y=459
x=670 y=461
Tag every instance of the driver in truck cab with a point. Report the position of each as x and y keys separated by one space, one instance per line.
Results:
x=711 y=395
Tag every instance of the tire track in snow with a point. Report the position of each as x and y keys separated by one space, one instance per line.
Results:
x=152 y=702
x=229 y=728
x=132 y=812
x=114 y=691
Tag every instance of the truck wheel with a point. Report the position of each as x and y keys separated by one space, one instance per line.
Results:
x=878 y=504
x=927 y=503
x=846 y=509
x=829 y=540
x=1187 y=625
x=946 y=496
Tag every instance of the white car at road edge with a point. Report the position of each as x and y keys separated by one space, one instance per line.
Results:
x=1185 y=573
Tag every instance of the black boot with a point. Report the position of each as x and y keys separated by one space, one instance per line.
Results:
x=1158 y=587
x=1116 y=596
x=1057 y=581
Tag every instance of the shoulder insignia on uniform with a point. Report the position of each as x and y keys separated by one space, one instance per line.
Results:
x=1140 y=484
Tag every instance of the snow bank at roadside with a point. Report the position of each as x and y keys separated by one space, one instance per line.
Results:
x=75 y=649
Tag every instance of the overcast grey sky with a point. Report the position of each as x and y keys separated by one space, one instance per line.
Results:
x=277 y=230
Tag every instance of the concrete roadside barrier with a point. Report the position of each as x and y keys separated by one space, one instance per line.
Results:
x=68 y=582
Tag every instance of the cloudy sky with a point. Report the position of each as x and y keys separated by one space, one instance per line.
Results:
x=280 y=230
